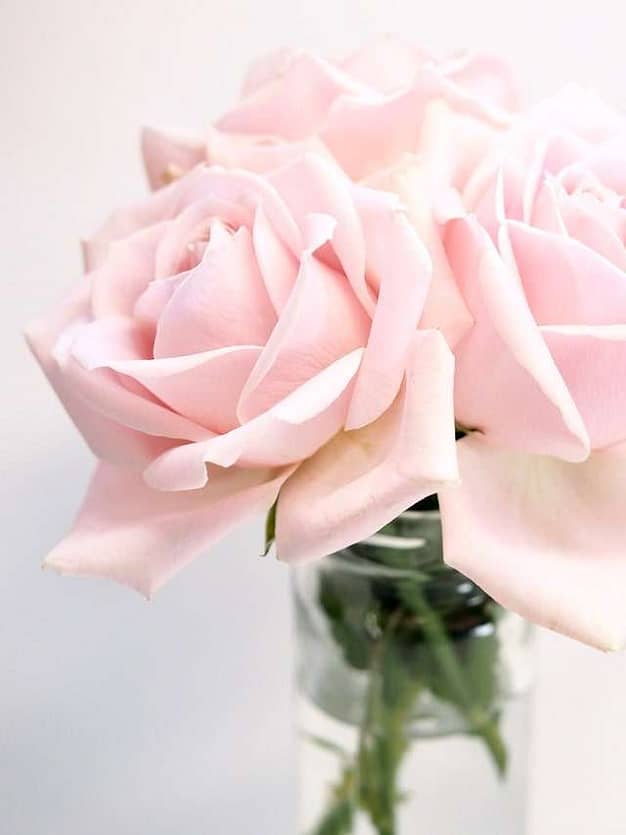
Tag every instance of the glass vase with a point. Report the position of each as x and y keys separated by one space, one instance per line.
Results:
x=413 y=692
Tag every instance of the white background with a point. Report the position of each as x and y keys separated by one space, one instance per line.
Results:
x=119 y=717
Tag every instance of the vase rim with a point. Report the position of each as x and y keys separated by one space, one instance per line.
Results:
x=410 y=541
x=349 y=562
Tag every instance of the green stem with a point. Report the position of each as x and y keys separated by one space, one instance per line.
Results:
x=481 y=722
x=369 y=782
x=383 y=738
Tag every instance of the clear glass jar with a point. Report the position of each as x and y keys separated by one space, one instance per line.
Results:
x=413 y=692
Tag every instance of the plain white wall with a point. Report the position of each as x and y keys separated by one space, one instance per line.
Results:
x=170 y=718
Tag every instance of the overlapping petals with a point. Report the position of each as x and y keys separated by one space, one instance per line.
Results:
x=544 y=537
x=141 y=537
x=358 y=257
x=231 y=327
x=540 y=261
x=354 y=484
x=365 y=110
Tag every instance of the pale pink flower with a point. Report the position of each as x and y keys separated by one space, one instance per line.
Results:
x=536 y=245
x=365 y=110
x=237 y=336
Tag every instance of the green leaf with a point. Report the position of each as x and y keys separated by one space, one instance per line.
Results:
x=328 y=745
x=337 y=821
x=270 y=528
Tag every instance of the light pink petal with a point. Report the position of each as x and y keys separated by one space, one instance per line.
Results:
x=357 y=129
x=203 y=387
x=84 y=355
x=487 y=77
x=411 y=180
x=277 y=263
x=546 y=209
x=559 y=150
x=543 y=537
x=591 y=227
x=106 y=438
x=385 y=63
x=167 y=156
x=452 y=142
x=290 y=431
x=321 y=322
x=222 y=302
x=125 y=272
x=566 y=282
x=507 y=384
x=267 y=68
x=399 y=267
x=363 y=479
x=592 y=361
x=163 y=205
x=607 y=160
x=578 y=111
x=313 y=185
x=260 y=153
x=292 y=103
x=151 y=303
x=226 y=188
x=248 y=191
x=205 y=222
x=141 y=537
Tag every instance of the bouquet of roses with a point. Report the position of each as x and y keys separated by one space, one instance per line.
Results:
x=373 y=281
x=358 y=259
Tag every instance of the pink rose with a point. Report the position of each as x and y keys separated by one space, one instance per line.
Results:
x=237 y=336
x=365 y=111
x=539 y=257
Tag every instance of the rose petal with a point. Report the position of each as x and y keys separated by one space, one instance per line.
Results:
x=507 y=383
x=274 y=106
x=164 y=204
x=204 y=387
x=565 y=282
x=152 y=302
x=385 y=63
x=204 y=223
x=258 y=152
x=169 y=155
x=141 y=537
x=543 y=537
x=487 y=77
x=267 y=68
x=276 y=262
x=592 y=361
x=222 y=302
x=357 y=128
x=591 y=228
x=444 y=307
x=399 y=266
x=607 y=160
x=321 y=322
x=125 y=272
x=577 y=111
x=84 y=355
x=314 y=186
x=364 y=478
x=106 y=438
x=290 y=431
x=242 y=188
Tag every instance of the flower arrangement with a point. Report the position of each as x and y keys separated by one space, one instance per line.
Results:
x=373 y=280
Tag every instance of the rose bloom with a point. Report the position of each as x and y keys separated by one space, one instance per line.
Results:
x=365 y=110
x=536 y=246
x=384 y=110
x=237 y=336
